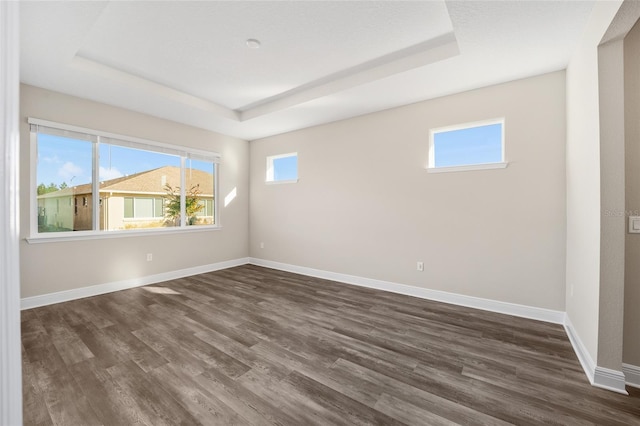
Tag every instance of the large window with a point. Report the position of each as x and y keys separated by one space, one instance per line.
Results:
x=467 y=146
x=282 y=168
x=93 y=181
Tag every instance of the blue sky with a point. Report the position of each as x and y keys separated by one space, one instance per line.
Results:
x=475 y=145
x=285 y=168
x=67 y=160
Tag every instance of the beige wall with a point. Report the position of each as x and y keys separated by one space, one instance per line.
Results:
x=52 y=267
x=366 y=206
x=631 y=353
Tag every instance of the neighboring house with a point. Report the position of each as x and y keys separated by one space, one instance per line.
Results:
x=128 y=202
x=55 y=210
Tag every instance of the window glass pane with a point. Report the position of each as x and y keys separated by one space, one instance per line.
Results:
x=143 y=207
x=285 y=168
x=128 y=207
x=474 y=145
x=142 y=176
x=63 y=173
x=199 y=191
x=158 y=210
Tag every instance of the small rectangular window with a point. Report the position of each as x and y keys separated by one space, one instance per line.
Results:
x=470 y=146
x=282 y=168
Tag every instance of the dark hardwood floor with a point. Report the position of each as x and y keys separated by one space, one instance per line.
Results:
x=255 y=346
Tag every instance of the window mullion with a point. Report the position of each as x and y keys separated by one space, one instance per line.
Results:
x=183 y=191
x=214 y=201
x=95 y=191
x=34 y=183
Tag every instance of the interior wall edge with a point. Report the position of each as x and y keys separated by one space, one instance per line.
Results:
x=96 y=290
x=586 y=361
x=600 y=377
x=10 y=347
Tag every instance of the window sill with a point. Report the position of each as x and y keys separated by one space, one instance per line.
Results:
x=99 y=235
x=277 y=182
x=468 y=168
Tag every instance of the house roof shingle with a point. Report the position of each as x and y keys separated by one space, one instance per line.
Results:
x=152 y=182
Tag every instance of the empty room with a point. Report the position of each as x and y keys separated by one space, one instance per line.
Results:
x=320 y=212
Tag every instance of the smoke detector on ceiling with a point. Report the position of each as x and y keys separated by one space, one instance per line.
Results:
x=252 y=43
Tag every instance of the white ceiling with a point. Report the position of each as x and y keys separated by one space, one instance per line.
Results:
x=318 y=61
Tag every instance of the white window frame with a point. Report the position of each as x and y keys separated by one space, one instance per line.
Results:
x=431 y=167
x=270 y=177
x=184 y=153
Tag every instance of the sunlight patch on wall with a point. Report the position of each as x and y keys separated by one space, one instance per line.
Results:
x=230 y=196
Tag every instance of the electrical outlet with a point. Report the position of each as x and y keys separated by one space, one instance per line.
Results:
x=420 y=266
x=261 y=245
x=149 y=257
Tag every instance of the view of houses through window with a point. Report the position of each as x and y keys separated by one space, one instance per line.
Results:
x=136 y=189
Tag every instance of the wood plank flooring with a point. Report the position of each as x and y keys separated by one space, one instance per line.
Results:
x=254 y=346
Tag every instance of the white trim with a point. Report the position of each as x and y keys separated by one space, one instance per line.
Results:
x=632 y=375
x=278 y=182
x=134 y=142
x=216 y=191
x=95 y=187
x=33 y=186
x=485 y=166
x=587 y=363
x=79 y=293
x=10 y=356
x=531 y=312
x=56 y=237
x=600 y=377
x=96 y=68
x=183 y=193
x=612 y=380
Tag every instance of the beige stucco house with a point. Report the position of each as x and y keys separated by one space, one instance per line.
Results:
x=129 y=202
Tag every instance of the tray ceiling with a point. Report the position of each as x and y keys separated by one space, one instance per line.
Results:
x=317 y=61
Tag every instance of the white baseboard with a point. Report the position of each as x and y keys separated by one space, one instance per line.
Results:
x=632 y=375
x=586 y=361
x=612 y=380
x=540 y=314
x=600 y=377
x=79 y=293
